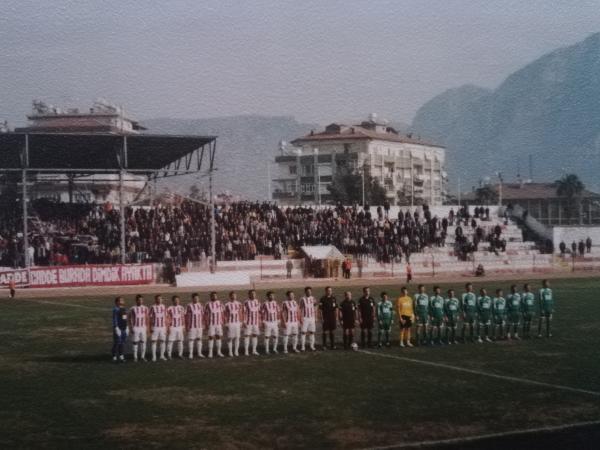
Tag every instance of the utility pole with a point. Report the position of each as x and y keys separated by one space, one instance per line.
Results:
x=25 y=164
x=298 y=175
x=412 y=179
x=121 y=204
x=317 y=177
x=213 y=242
x=269 y=181
x=499 y=188
x=362 y=176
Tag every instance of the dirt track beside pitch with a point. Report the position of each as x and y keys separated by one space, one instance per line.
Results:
x=293 y=283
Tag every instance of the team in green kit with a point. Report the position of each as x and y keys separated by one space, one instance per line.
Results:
x=480 y=316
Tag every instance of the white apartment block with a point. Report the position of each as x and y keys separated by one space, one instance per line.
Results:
x=401 y=164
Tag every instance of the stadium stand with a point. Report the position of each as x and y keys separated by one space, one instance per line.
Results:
x=258 y=238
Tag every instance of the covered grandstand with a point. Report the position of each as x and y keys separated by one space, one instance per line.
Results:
x=26 y=156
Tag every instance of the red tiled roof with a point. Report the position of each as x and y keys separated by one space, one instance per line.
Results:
x=358 y=132
x=528 y=191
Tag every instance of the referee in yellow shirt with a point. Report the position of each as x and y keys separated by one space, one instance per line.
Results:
x=404 y=308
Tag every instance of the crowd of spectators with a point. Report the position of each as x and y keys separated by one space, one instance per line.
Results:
x=178 y=233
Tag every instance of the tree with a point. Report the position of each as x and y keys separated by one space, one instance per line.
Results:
x=571 y=187
x=196 y=193
x=346 y=188
x=486 y=195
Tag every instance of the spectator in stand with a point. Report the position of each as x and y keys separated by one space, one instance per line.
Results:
x=178 y=233
x=574 y=248
x=588 y=244
x=581 y=248
x=562 y=247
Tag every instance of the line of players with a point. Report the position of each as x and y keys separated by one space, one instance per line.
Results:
x=166 y=325
x=436 y=319
x=480 y=317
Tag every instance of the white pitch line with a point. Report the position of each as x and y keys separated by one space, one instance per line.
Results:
x=72 y=305
x=485 y=374
x=480 y=437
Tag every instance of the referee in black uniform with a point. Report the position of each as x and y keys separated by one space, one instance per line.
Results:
x=348 y=319
x=366 y=312
x=328 y=307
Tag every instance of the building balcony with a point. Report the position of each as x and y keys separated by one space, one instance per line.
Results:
x=282 y=195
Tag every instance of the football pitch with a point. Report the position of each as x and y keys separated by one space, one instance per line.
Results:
x=59 y=389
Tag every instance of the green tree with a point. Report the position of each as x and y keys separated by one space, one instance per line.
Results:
x=346 y=188
x=486 y=195
x=571 y=187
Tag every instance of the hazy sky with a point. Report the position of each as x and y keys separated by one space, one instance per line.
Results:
x=317 y=60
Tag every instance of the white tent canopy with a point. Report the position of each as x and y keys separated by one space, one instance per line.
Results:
x=322 y=252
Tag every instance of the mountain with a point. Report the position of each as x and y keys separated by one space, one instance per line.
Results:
x=549 y=109
x=244 y=146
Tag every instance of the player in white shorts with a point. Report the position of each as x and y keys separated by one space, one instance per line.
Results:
x=158 y=327
x=138 y=326
x=233 y=323
x=251 y=318
x=270 y=318
x=175 y=322
x=307 y=319
x=289 y=317
x=213 y=318
x=194 y=322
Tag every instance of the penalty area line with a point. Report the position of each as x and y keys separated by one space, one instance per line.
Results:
x=481 y=437
x=485 y=374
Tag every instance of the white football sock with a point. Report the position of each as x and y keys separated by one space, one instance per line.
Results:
x=153 y=349
x=162 y=349
x=218 y=346
x=210 y=347
x=246 y=344
x=295 y=342
x=191 y=348
x=143 y=350
x=170 y=349
x=180 y=348
x=135 y=351
x=312 y=340
x=254 y=343
x=285 y=343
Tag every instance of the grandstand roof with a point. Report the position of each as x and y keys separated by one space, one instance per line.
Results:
x=105 y=152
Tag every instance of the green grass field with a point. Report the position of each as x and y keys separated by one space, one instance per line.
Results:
x=58 y=388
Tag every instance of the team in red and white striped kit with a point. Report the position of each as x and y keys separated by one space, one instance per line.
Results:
x=176 y=324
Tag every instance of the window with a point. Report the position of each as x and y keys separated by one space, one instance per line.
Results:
x=307 y=188
x=293 y=170
x=307 y=170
